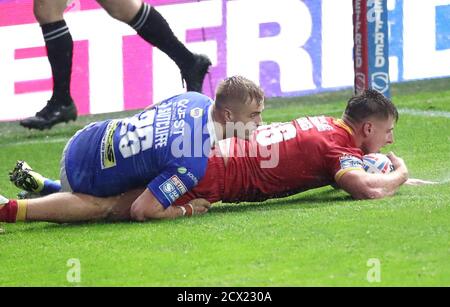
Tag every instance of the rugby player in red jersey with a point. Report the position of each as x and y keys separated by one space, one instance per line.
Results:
x=286 y=158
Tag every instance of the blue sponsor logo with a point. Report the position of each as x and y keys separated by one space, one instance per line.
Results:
x=173 y=188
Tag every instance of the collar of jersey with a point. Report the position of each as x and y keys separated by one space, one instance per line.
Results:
x=211 y=127
x=339 y=122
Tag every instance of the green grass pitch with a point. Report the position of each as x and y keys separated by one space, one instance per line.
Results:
x=317 y=238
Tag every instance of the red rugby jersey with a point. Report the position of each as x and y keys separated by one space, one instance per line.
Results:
x=280 y=159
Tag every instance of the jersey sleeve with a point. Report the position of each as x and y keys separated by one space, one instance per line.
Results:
x=176 y=180
x=340 y=160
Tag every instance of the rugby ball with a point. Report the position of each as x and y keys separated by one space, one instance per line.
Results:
x=377 y=163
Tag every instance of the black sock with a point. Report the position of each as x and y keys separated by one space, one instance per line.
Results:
x=59 y=51
x=152 y=27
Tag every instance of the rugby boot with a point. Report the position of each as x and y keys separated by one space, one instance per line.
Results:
x=52 y=114
x=25 y=178
x=195 y=74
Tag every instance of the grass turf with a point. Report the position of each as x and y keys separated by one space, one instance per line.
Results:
x=319 y=237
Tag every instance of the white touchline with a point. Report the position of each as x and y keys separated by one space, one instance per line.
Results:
x=38 y=141
x=424 y=113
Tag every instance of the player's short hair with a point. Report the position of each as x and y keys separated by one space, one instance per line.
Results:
x=370 y=103
x=238 y=89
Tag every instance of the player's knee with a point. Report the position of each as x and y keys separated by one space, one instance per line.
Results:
x=99 y=208
x=115 y=13
x=124 y=13
x=42 y=16
x=47 y=11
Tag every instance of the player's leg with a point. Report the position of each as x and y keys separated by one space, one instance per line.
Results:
x=58 y=208
x=59 y=45
x=68 y=208
x=153 y=28
x=75 y=207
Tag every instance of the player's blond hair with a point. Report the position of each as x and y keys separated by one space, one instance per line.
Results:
x=238 y=90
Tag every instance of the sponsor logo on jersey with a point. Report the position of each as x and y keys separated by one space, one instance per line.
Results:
x=168 y=187
x=107 y=156
x=347 y=161
x=173 y=188
x=196 y=112
x=179 y=184
x=180 y=122
x=192 y=177
x=162 y=125
x=182 y=170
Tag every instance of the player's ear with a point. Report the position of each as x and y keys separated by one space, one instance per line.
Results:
x=367 y=128
x=228 y=114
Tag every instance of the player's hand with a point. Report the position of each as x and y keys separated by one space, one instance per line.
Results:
x=200 y=206
x=398 y=163
x=195 y=207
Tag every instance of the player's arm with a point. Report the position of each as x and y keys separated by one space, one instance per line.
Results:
x=147 y=206
x=362 y=185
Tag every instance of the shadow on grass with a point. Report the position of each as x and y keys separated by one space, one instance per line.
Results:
x=327 y=198
x=124 y=225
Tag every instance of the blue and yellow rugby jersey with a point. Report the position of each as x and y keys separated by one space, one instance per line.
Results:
x=164 y=148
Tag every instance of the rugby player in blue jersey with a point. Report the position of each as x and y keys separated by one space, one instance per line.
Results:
x=164 y=149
